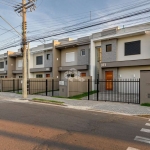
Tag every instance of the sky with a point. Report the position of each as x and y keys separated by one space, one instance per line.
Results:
x=52 y=15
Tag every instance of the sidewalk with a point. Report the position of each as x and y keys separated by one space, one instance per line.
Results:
x=112 y=107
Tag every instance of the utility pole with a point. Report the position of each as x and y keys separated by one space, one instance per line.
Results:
x=23 y=9
x=28 y=60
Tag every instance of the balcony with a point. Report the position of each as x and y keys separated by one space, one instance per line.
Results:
x=79 y=67
x=17 y=71
x=34 y=70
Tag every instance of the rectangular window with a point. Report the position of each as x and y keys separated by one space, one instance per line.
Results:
x=1 y=76
x=48 y=56
x=39 y=60
x=20 y=76
x=6 y=62
x=83 y=52
x=19 y=63
x=39 y=76
x=1 y=65
x=83 y=74
x=47 y=75
x=109 y=48
x=70 y=57
x=133 y=48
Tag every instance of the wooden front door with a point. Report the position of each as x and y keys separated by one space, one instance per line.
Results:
x=109 y=80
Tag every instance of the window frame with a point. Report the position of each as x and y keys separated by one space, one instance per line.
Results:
x=131 y=42
x=69 y=60
x=39 y=75
x=20 y=63
x=37 y=61
x=83 y=50
x=48 y=56
x=2 y=67
x=107 y=46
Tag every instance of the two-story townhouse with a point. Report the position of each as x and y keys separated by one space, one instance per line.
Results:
x=15 y=63
x=3 y=65
x=41 y=61
x=120 y=53
x=71 y=56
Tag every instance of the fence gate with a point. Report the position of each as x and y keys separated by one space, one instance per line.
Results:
x=122 y=90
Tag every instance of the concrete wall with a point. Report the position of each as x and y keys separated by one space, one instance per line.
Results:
x=17 y=62
x=34 y=60
x=145 y=86
x=43 y=73
x=63 y=56
x=109 y=56
x=83 y=60
x=48 y=63
x=11 y=65
x=74 y=87
x=145 y=45
x=56 y=60
x=82 y=71
x=79 y=87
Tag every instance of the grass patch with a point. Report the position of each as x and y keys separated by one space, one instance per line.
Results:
x=79 y=97
x=146 y=104
x=19 y=93
x=47 y=101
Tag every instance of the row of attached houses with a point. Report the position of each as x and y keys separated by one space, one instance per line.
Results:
x=110 y=54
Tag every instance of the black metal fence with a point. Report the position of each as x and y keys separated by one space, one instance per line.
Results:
x=120 y=90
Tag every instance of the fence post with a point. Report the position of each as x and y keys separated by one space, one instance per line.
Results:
x=2 y=86
x=29 y=85
x=139 y=91
x=18 y=85
x=88 y=89
x=46 y=87
x=97 y=89
x=52 y=87
x=14 y=85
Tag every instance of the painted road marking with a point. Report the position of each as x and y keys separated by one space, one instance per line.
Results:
x=142 y=139
x=145 y=130
x=147 y=124
x=131 y=148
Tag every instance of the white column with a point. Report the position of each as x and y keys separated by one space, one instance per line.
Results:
x=92 y=63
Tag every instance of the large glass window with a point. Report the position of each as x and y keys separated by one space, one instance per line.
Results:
x=1 y=65
x=133 y=48
x=39 y=60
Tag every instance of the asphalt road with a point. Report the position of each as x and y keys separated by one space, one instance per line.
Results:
x=26 y=126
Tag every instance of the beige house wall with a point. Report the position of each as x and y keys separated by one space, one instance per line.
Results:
x=131 y=72
x=145 y=45
x=56 y=60
x=11 y=63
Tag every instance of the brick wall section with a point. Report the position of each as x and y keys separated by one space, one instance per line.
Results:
x=83 y=60
x=109 y=56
